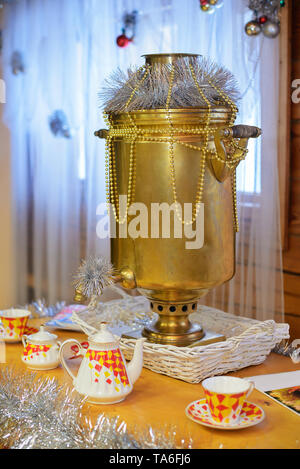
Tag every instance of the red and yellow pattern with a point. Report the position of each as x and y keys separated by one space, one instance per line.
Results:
x=12 y=327
x=112 y=361
x=32 y=350
x=250 y=414
x=225 y=408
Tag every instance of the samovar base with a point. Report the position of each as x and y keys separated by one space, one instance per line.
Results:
x=194 y=334
x=209 y=337
x=173 y=326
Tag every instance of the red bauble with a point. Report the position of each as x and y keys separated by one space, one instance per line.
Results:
x=203 y=2
x=123 y=40
x=263 y=19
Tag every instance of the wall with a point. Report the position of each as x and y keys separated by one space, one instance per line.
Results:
x=7 y=293
x=291 y=256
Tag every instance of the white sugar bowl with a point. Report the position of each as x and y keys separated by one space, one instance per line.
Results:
x=41 y=350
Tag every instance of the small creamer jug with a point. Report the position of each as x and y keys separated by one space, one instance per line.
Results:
x=41 y=350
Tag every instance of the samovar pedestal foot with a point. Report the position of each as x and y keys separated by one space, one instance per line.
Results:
x=173 y=327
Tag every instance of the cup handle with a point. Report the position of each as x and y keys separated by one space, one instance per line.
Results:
x=62 y=358
x=252 y=386
x=24 y=340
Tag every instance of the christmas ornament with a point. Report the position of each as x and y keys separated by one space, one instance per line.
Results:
x=253 y=28
x=38 y=413
x=17 y=63
x=209 y=6
x=262 y=19
x=266 y=17
x=59 y=125
x=271 y=29
x=4 y=2
x=123 y=40
x=128 y=29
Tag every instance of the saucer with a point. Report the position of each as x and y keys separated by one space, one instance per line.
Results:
x=250 y=415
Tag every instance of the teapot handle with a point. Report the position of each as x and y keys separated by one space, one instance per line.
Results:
x=62 y=358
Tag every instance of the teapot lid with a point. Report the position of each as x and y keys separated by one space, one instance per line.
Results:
x=42 y=336
x=104 y=336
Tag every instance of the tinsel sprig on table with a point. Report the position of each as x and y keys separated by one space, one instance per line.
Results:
x=39 y=308
x=38 y=413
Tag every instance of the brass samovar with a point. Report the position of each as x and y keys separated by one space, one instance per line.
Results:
x=175 y=156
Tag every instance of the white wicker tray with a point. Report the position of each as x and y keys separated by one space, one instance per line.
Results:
x=248 y=342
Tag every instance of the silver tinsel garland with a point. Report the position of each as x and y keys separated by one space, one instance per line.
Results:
x=38 y=413
x=40 y=308
x=152 y=92
x=270 y=8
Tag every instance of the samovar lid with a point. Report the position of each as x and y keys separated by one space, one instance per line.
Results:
x=165 y=58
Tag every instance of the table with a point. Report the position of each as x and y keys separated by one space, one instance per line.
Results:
x=158 y=400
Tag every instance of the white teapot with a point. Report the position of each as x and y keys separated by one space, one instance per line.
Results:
x=103 y=375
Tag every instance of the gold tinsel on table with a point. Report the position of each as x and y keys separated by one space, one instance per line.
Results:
x=38 y=413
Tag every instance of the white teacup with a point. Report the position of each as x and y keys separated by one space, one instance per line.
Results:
x=225 y=397
x=12 y=324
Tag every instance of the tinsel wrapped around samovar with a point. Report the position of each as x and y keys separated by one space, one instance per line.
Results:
x=171 y=141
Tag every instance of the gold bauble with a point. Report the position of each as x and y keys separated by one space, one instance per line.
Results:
x=252 y=28
x=205 y=7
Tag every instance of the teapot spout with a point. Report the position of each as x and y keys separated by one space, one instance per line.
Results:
x=136 y=364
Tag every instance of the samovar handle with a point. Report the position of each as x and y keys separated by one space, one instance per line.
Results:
x=101 y=133
x=241 y=131
x=222 y=141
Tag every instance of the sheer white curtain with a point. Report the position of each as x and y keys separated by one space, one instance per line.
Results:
x=45 y=167
x=69 y=49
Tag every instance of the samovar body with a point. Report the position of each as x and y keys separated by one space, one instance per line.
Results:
x=173 y=272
